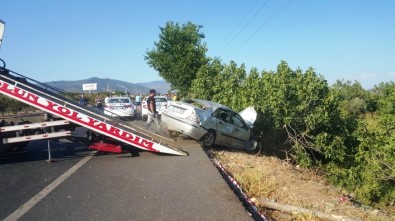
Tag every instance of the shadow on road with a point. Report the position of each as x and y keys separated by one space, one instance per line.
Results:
x=37 y=150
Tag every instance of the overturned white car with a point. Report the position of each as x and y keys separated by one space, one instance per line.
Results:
x=211 y=123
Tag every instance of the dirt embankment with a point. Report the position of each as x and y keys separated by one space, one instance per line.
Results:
x=264 y=177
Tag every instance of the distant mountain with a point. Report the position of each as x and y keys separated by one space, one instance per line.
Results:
x=112 y=85
x=160 y=86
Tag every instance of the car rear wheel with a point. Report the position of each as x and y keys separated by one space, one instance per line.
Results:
x=208 y=139
x=144 y=117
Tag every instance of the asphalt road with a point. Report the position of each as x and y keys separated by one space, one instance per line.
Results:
x=84 y=185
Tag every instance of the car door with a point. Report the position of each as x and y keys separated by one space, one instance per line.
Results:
x=224 y=128
x=240 y=133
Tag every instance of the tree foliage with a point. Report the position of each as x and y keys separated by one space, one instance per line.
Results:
x=203 y=85
x=321 y=121
x=229 y=90
x=179 y=54
x=374 y=171
x=354 y=100
x=304 y=106
x=386 y=97
x=9 y=105
x=373 y=175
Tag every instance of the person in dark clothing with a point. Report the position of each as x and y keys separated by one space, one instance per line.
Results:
x=152 y=114
x=99 y=103
x=83 y=100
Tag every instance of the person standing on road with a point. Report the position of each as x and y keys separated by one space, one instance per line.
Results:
x=175 y=97
x=83 y=100
x=137 y=99
x=99 y=103
x=152 y=114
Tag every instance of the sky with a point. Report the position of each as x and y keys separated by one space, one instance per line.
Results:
x=53 y=40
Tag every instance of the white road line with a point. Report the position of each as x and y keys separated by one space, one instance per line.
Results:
x=43 y=193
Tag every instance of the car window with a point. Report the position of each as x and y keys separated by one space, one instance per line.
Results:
x=221 y=114
x=160 y=99
x=196 y=104
x=157 y=99
x=124 y=101
x=238 y=121
x=119 y=100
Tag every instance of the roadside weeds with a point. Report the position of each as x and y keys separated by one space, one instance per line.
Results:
x=269 y=179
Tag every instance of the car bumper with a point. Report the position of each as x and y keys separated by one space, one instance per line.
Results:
x=115 y=113
x=188 y=128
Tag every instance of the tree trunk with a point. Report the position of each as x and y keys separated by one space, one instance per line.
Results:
x=290 y=209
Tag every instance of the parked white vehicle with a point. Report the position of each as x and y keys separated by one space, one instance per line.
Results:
x=161 y=104
x=211 y=123
x=120 y=107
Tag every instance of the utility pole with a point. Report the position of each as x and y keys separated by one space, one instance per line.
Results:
x=108 y=88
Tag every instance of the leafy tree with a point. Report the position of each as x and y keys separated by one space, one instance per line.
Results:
x=303 y=105
x=386 y=97
x=8 y=104
x=356 y=107
x=250 y=90
x=354 y=100
x=3 y=104
x=323 y=124
x=372 y=102
x=178 y=55
x=349 y=90
x=202 y=86
x=236 y=89
x=228 y=91
x=373 y=175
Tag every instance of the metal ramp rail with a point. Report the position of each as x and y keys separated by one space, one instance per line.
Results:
x=50 y=100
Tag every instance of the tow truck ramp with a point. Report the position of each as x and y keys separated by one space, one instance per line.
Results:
x=40 y=96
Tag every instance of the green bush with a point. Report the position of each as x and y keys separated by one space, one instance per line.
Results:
x=374 y=171
x=10 y=105
x=324 y=124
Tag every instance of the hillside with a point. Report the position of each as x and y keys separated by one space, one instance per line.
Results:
x=160 y=86
x=111 y=84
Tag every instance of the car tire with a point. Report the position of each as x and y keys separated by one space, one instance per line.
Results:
x=208 y=139
x=144 y=117
x=254 y=146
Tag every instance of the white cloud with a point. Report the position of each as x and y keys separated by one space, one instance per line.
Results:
x=367 y=76
x=392 y=74
x=367 y=80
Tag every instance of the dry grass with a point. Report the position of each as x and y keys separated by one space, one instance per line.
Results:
x=279 y=181
x=255 y=183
